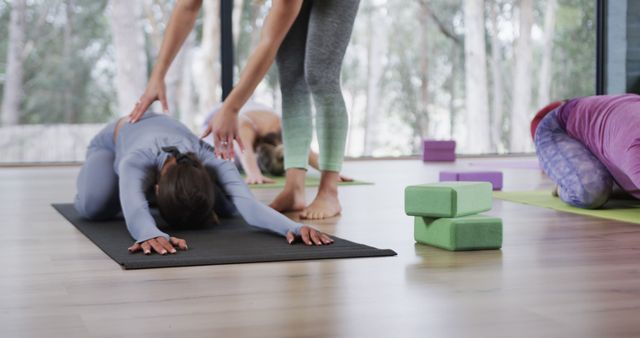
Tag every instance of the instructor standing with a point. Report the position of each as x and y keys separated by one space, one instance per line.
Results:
x=308 y=40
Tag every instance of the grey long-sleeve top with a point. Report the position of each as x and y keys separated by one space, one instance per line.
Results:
x=139 y=156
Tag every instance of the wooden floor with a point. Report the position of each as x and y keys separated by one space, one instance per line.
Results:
x=557 y=275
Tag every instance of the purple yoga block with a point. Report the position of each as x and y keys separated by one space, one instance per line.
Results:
x=494 y=177
x=448 y=176
x=438 y=150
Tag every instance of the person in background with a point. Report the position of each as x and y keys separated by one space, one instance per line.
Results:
x=588 y=145
x=260 y=130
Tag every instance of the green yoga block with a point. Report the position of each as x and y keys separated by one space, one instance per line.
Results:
x=476 y=232
x=448 y=199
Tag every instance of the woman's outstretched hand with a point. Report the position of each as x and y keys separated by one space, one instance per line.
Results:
x=258 y=179
x=159 y=245
x=156 y=90
x=224 y=127
x=310 y=236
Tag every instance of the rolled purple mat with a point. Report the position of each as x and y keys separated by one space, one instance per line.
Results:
x=439 y=150
x=493 y=177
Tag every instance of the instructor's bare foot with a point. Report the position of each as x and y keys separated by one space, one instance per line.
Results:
x=326 y=203
x=289 y=200
x=324 y=206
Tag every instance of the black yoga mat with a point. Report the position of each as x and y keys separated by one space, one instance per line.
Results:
x=231 y=241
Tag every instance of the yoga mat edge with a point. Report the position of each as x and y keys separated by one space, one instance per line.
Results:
x=617 y=210
x=311 y=181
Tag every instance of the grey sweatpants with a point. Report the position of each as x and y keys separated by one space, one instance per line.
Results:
x=97 y=194
x=309 y=64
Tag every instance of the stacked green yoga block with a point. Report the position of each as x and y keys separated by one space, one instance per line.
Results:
x=475 y=232
x=448 y=199
x=447 y=215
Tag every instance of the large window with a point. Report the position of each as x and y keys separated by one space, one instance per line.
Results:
x=414 y=69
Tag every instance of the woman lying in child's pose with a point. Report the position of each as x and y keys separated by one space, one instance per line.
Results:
x=128 y=165
x=586 y=144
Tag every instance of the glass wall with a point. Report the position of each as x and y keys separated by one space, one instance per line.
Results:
x=405 y=74
x=415 y=69
x=84 y=63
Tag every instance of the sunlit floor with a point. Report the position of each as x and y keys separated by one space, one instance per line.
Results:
x=557 y=274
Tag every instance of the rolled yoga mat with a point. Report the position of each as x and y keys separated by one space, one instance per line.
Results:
x=309 y=181
x=231 y=241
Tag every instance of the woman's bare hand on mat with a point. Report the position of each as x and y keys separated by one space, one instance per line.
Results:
x=258 y=180
x=159 y=245
x=155 y=91
x=344 y=179
x=224 y=127
x=310 y=236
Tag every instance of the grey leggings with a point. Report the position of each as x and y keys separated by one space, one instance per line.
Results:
x=97 y=195
x=309 y=64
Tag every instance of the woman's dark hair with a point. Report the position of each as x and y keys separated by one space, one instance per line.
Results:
x=270 y=154
x=185 y=193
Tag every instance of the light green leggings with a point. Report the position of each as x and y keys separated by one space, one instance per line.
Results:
x=309 y=63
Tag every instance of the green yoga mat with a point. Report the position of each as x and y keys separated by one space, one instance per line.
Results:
x=624 y=210
x=310 y=181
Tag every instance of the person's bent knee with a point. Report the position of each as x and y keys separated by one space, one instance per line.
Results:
x=587 y=200
x=289 y=80
x=322 y=83
x=595 y=203
x=92 y=211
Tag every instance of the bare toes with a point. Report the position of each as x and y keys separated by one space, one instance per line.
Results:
x=315 y=215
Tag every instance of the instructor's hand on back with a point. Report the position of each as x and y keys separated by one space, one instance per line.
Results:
x=155 y=91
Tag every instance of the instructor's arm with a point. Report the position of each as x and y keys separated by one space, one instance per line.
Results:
x=180 y=25
x=224 y=125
